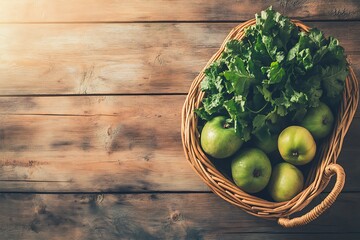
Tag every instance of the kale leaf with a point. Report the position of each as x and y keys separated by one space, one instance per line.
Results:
x=273 y=75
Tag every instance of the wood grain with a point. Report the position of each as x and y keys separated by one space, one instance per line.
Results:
x=131 y=144
x=111 y=144
x=162 y=10
x=120 y=58
x=103 y=144
x=158 y=216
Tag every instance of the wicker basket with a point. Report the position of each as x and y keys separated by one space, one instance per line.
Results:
x=319 y=174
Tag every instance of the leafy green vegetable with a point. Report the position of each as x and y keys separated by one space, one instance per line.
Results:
x=274 y=75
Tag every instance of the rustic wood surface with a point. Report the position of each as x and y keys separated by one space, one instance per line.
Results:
x=121 y=58
x=174 y=10
x=90 y=99
x=158 y=216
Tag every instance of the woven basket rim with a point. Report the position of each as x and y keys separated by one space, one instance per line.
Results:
x=225 y=188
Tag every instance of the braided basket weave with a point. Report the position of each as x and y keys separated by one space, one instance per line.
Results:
x=319 y=174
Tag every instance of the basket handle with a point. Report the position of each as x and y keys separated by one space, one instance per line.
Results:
x=325 y=204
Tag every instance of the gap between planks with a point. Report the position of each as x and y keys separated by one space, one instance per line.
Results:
x=180 y=21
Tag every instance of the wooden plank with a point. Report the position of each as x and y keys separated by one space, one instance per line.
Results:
x=120 y=58
x=133 y=146
x=157 y=216
x=111 y=144
x=162 y=10
x=287 y=236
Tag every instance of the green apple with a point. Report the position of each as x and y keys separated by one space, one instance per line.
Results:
x=286 y=182
x=251 y=170
x=319 y=121
x=296 y=145
x=268 y=143
x=218 y=139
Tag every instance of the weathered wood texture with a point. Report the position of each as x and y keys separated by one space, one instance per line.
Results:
x=112 y=143
x=159 y=216
x=129 y=144
x=162 y=10
x=107 y=143
x=120 y=58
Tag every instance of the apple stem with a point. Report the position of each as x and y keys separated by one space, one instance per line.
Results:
x=226 y=125
x=295 y=153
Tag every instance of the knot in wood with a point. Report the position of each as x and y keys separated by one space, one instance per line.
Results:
x=99 y=198
x=175 y=216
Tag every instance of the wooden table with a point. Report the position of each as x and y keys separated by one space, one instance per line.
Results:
x=91 y=94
